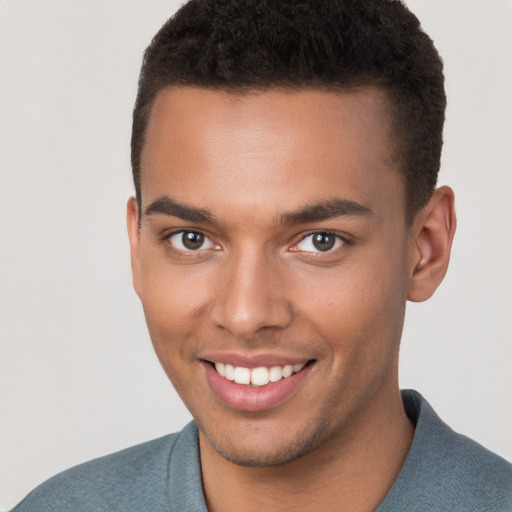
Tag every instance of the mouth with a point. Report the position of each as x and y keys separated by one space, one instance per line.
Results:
x=253 y=385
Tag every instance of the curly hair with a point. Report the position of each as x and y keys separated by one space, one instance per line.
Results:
x=245 y=45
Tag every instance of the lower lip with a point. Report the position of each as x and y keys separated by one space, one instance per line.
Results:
x=252 y=398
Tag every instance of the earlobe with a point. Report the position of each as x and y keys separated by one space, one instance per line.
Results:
x=432 y=235
x=132 y=221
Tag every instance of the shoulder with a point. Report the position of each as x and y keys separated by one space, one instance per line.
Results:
x=132 y=479
x=448 y=471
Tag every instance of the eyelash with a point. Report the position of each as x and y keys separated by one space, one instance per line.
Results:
x=338 y=242
x=186 y=252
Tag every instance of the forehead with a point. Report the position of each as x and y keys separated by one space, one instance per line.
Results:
x=276 y=148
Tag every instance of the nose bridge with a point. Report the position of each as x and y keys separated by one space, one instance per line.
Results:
x=251 y=296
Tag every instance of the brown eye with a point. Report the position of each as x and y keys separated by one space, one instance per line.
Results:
x=192 y=240
x=324 y=241
x=187 y=241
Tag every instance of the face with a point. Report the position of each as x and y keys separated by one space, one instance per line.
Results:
x=272 y=263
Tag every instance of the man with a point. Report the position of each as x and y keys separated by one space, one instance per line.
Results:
x=285 y=157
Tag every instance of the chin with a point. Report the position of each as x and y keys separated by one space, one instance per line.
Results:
x=248 y=451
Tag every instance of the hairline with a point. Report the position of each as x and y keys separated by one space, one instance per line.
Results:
x=242 y=91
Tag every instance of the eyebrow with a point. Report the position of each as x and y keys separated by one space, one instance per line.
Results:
x=316 y=212
x=325 y=210
x=167 y=206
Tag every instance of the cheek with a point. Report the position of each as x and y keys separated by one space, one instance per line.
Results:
x=167 y=307
x=173 y=298
x=170 y=293
x=360 y=307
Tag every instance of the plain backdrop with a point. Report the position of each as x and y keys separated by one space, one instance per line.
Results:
x=78 y=377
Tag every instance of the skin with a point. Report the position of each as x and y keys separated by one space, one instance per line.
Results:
x=258 y=286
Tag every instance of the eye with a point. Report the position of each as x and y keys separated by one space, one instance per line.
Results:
x=319 y=242
x=190 y=241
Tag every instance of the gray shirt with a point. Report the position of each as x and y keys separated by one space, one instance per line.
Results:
x=444 y=471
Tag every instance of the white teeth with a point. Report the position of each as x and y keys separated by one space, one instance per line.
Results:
x=230 y=372
x=242 y=375
x=220 y=369
x=298 y=367
x=275 y=373
x=287 y=370
x=260 y=376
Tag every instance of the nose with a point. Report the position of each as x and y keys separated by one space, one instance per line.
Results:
x=250 y=297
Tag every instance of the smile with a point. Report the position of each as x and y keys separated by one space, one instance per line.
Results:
x=255 y=383
x=258 y=377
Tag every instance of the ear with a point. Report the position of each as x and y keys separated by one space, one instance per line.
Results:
x=431 y=242
x=132 y=220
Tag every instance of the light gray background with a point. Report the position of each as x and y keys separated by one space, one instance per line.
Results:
x=78 y=376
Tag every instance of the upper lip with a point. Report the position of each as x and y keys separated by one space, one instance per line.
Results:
x=253 y=360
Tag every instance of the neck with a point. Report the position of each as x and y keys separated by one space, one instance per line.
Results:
x=353 y=471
